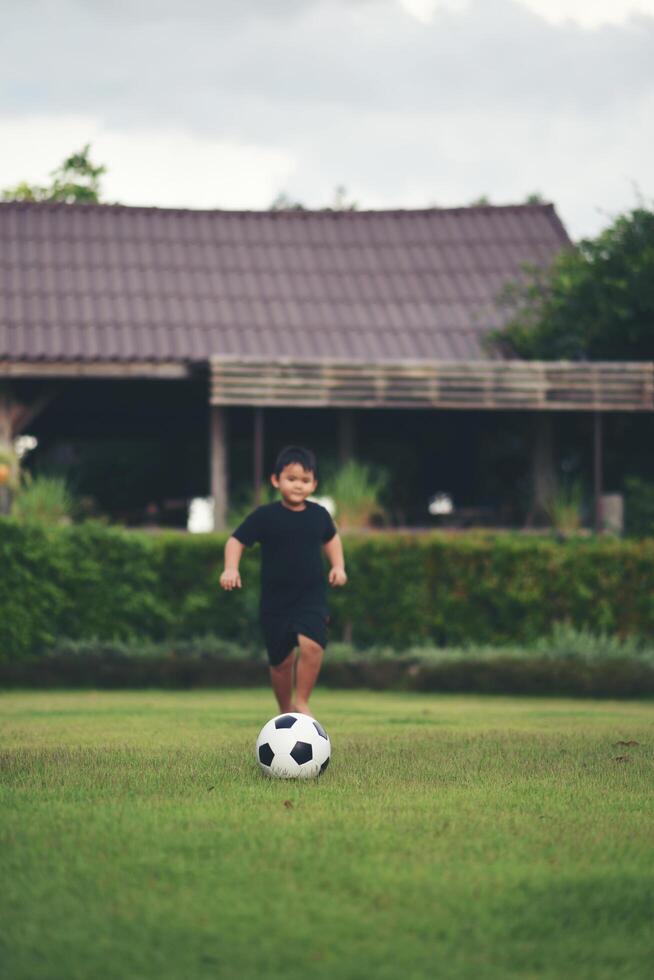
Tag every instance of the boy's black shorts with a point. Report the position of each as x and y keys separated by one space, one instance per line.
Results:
x=280 y=632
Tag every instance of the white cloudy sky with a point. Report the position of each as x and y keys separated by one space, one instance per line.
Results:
x=408 y=103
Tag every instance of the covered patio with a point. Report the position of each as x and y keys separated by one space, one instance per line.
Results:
x=539 y=388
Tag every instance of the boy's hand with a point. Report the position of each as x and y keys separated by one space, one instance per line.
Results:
x=230 y=579
x=337 y=575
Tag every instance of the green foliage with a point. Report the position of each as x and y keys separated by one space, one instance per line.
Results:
x=210 y=662
x=535 y=197
x=195 y=647
x=79 y=581
x=76 y=180
x=565 y=643
x=34 y=594
x=594 y=302
x=92 y=581
x=284 y=202
x=341 y=201
x=569 y=662
x=44 y=499
x=503 y=589
x=639 y=507
x=356 y=489
x=189 y=570
x=114 y=578
x=564 y=508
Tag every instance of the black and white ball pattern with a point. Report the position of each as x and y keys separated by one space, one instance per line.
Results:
x=293 y=746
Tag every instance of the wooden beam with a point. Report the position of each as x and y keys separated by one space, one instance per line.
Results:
x=218 y=464
x=489 y=385
x=94 y=369
x=258 y=455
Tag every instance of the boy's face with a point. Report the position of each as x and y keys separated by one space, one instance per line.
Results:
x=294 y=483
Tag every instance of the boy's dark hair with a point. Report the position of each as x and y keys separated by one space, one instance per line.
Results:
x=296 y=454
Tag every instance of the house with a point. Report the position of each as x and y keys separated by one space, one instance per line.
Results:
x=213 y=321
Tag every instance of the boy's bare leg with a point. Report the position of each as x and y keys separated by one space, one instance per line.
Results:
x=306 y=671
x=281 y=678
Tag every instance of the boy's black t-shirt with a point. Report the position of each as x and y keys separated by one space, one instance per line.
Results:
x=292 y=569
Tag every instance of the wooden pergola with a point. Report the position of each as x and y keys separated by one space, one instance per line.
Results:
x=541 y=387
x=493 y=385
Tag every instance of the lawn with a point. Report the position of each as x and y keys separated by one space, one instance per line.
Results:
x=451 y=837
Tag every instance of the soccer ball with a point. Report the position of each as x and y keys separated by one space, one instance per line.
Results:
x=293 y=746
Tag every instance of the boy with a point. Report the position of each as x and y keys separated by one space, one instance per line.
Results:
x=293 y=605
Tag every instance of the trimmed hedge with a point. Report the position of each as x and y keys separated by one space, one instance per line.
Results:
x=501 y=674
x=84 y=581
x=92 y=581
x=569 y=662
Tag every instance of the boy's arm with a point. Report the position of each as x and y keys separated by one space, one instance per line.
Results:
x=334 y=551
x=230 y=578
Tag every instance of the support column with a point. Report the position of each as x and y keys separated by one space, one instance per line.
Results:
x=542 y=469
x=258 y=454
x=6 y=405
x=218 y=464
x=597 y=471
x=345 y=435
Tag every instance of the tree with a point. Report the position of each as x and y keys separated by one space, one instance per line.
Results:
x=285 y=203
x=74 y=180
x=535 y=198
x=595 y=301
x=340 y=202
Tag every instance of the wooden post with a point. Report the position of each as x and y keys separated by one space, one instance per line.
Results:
x=6 y=404
x=258 y=454
x=597 y=471
x=542 y=468
x=345 y=435
x=218 y=464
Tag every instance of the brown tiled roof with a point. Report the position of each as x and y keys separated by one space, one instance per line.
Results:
x=107 y=282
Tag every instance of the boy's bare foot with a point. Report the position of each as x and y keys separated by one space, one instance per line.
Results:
x=302 y=708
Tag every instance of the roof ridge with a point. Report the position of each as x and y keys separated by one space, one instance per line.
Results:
x=277 y=212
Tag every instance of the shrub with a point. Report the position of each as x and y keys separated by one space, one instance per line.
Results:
x=44 y=499
x=567 y=643
x=34 y=597
x=84 y=581
x=564 y=508
x=92 y=581
x=570 y=662
x=356 y=490
x=639 y=507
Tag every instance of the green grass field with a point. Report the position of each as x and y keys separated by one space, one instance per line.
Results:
x=461 y=837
